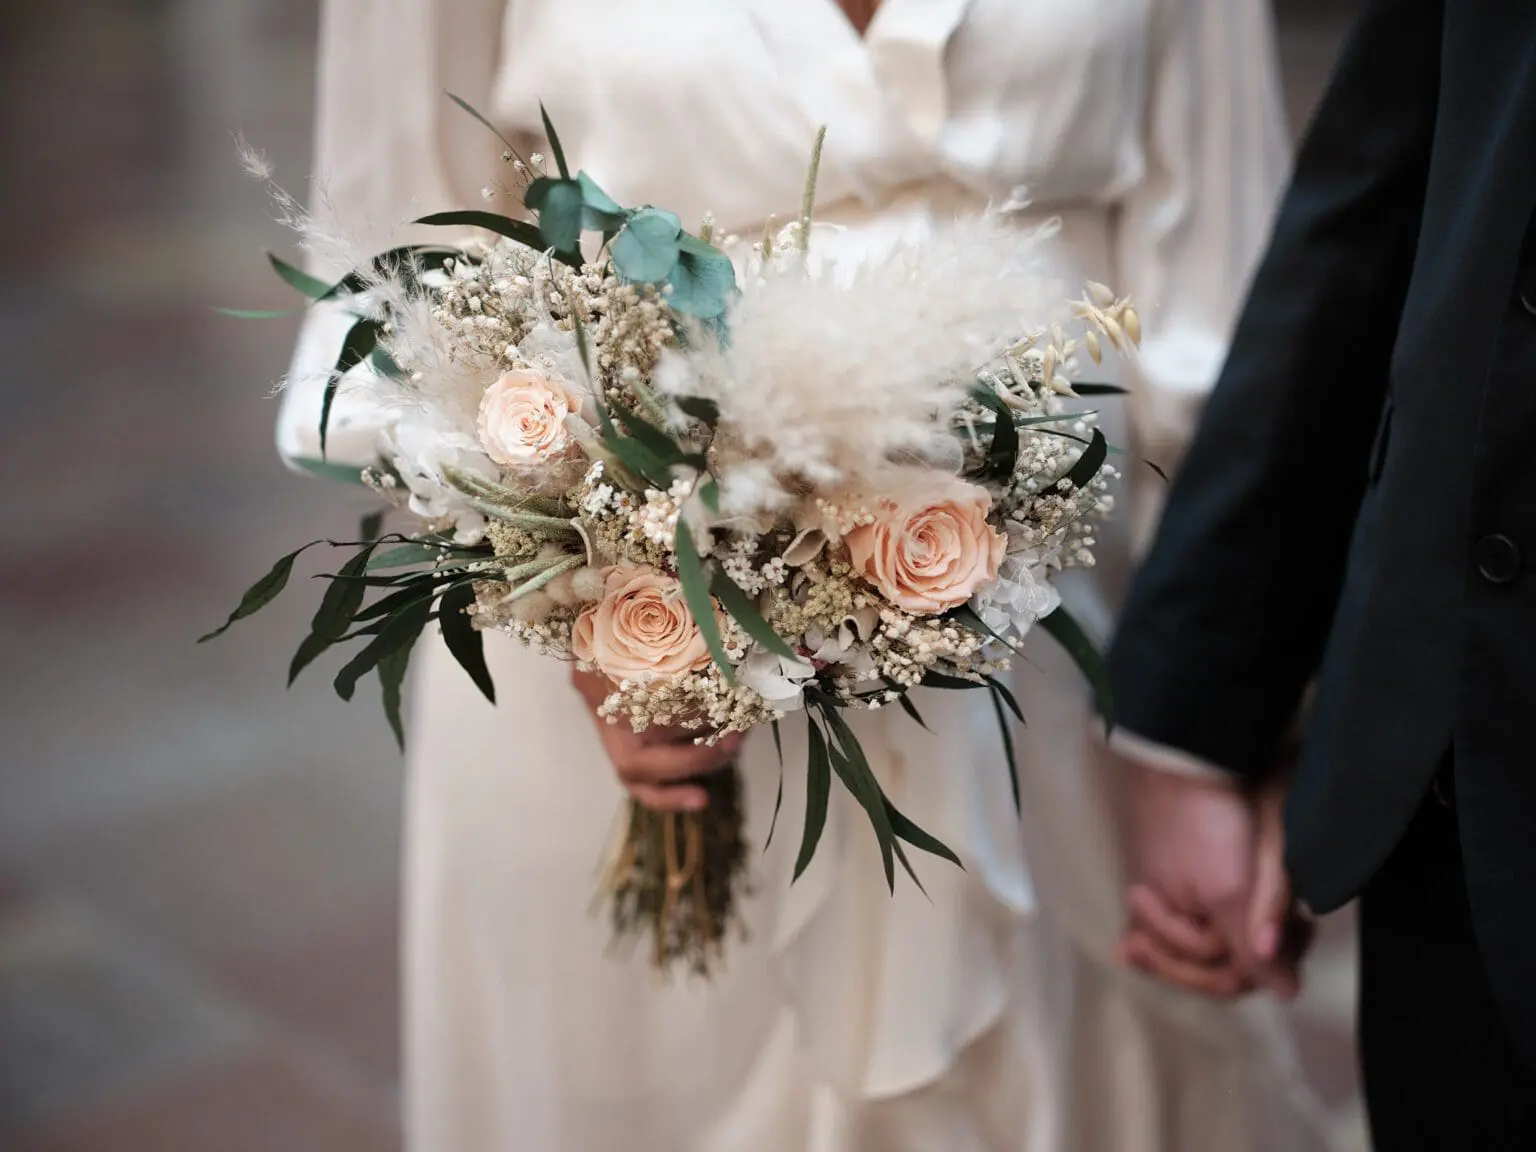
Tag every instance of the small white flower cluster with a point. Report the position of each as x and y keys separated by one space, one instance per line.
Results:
x=743 y=567
x=656 y=521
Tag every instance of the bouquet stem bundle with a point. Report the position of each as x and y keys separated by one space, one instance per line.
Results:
x=678 y=877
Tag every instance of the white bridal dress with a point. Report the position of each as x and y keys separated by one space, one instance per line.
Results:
x=991 y=1014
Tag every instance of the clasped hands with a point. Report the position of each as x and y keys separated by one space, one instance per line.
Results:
x=1209 y=906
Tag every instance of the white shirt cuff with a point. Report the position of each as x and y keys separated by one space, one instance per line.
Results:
x=1165 y=759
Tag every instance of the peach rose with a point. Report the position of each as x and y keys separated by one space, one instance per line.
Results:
x=929 y=552
x=641 y=629
x=522 y=419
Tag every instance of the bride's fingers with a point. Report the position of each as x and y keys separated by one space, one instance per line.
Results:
x=1145 y=953
x=657 y=734
x=667 y=763
x=1180 y=934
x=670 y=798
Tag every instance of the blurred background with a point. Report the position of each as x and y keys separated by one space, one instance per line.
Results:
x=198 y=870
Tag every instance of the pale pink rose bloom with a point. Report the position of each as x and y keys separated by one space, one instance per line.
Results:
x=522 y=419
x=641 y=630
x=930 y=551
x=581 y=634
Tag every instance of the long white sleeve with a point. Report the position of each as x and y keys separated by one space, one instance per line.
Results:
x=390 y=147
x=1191 y=231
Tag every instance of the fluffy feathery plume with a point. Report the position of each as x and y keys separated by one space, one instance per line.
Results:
x=324 y=241
x=835 y=380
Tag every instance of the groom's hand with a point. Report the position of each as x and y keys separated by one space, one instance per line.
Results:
x=1192 y=848
x=1280 y=933
x=1210 y=907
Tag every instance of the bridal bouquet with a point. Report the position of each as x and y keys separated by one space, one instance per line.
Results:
x=741 y=490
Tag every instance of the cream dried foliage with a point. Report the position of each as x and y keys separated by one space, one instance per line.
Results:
x=832 y=381
x=440 y=393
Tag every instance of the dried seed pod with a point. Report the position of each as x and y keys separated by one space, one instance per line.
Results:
x=1132 y=324
x=1100 y=294
x=1115 y=333
x=1091 y=342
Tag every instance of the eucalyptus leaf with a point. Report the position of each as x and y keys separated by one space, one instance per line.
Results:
x=559 y=207
x=1003 y=451
x=632 y=454
x=647 y=249
x=709 y=492
x=851 y=766
x=657 y=442
x=340 y=603
x=949 y=683
x=600 y=212
x=325 y=470
x=585 y=354
x=906 y=830
x=360 y=341
x=385 y=365
x=554 y=143
x=404 y=264
x=911 y=710
x=636 y=457
x=702 y=285
x=1089 y=463
x=970 y=618
x=398 y=580
x=257 y=313
x=366 y=630
x=906 y=864
x=704 y=410
x=473 y=111
x=466 y=642
x=420 y=586
x=311 y=286
x=261 y=593
x=778 y=800
x=392 y=669
x=818 y=789
x=744 y=612
x=690 y=245
x=312 y=646
x=1001 y=689
x=690 y=573
x=413 y=552
x=1008 y=755
x=526 y=234
x=402 y=630
x=1062 y=625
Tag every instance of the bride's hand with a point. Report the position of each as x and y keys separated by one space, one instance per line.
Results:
x=655 y=765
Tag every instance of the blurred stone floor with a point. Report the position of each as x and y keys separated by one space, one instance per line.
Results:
x=197 y=870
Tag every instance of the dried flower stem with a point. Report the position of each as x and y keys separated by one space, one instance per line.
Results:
x=559 y=568
x=808 y=199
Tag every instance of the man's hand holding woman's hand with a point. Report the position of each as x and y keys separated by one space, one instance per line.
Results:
x=1209 y=906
